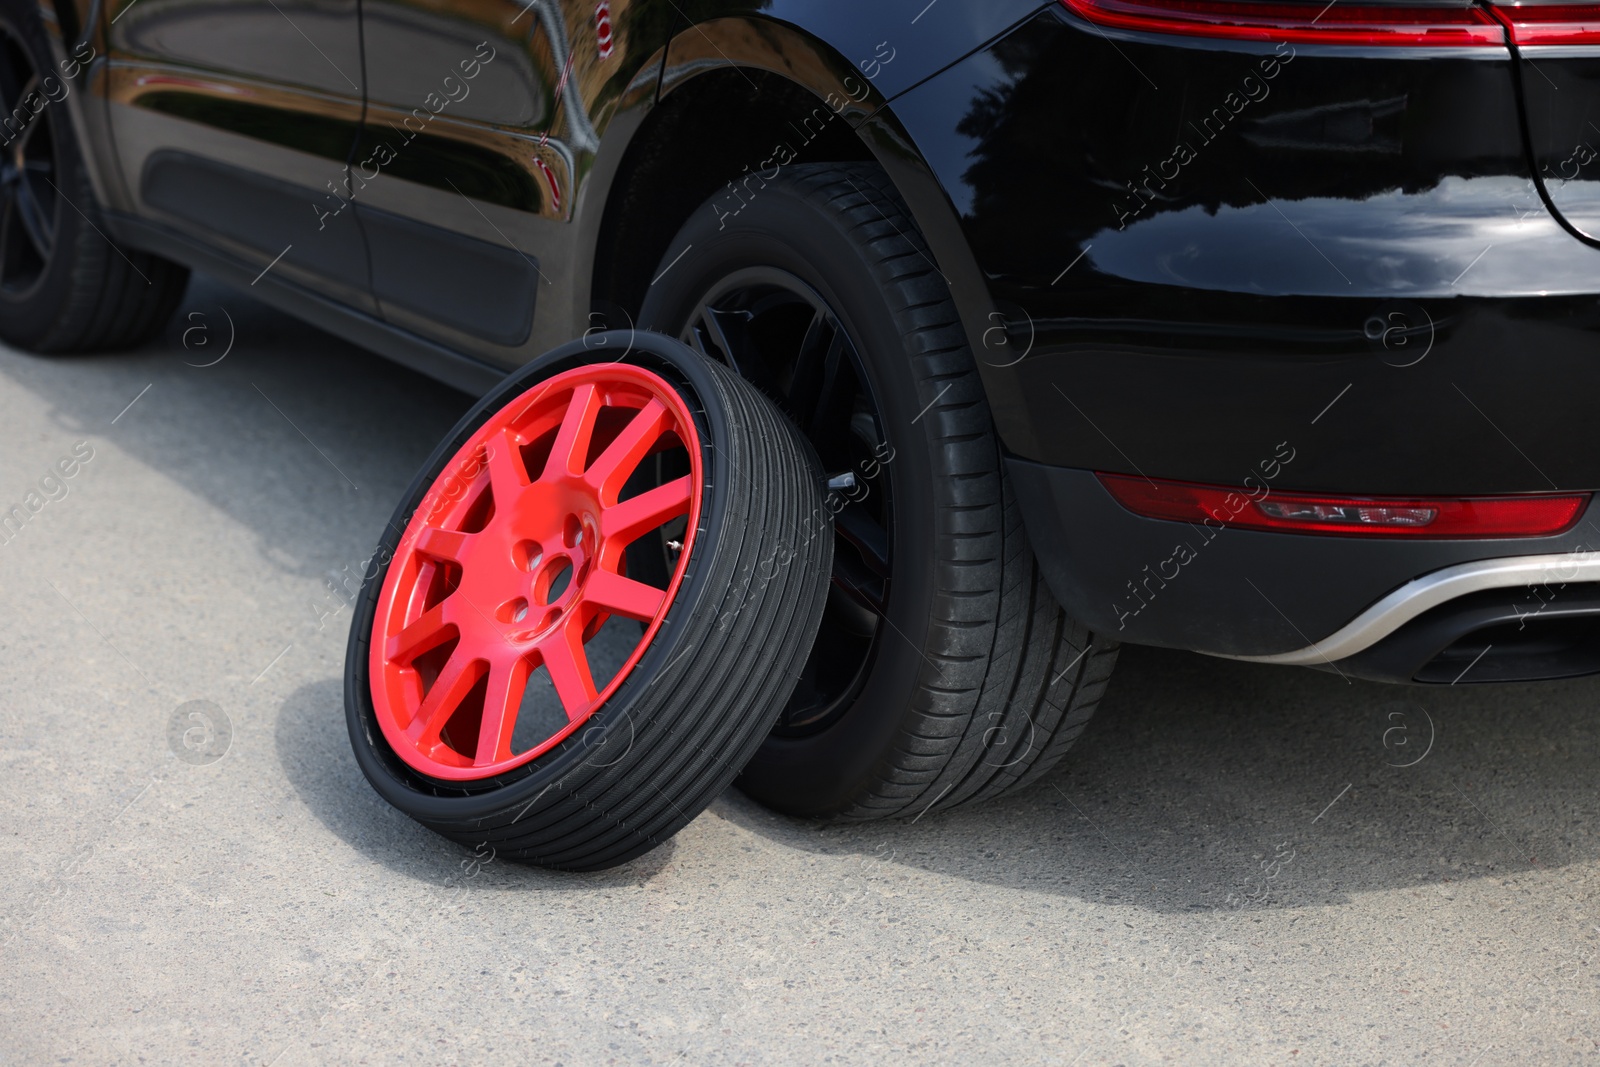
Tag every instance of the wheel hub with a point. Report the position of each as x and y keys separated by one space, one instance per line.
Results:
x=540 y=555
x=781 y=334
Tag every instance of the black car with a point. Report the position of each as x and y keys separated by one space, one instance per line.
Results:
x=1265 y=330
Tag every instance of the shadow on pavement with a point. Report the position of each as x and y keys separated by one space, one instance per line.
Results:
x=1203 y=785
x=1208 y=784
x=313 y=748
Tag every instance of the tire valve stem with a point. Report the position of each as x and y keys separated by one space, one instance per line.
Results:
x=676 y=546
x=844 y=481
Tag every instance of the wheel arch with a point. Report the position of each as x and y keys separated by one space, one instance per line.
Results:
x=675 y=161
x=766 y=82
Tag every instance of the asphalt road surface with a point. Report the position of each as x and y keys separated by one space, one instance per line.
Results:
x=1237 y=864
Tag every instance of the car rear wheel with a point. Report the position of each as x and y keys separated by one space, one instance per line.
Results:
x=513 y=681
x=944 y=671
x=64 y=287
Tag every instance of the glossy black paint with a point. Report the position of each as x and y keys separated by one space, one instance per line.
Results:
x=1560 y=88
x=891 y=45
x=490 y=121
x=272 y=88
x=1190 y=271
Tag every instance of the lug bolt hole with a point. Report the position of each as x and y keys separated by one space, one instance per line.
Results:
x=527 y=555
x=573 y=534
x=513 y=610
x=553 y=581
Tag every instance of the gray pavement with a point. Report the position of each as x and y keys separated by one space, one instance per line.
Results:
x=1233 y=866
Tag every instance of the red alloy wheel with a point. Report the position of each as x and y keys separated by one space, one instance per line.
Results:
x=515 y=559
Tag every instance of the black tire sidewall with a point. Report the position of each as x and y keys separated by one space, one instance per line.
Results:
x=823 y=772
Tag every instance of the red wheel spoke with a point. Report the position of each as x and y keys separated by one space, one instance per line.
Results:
x=568 y=664
x=427 y=633
x=639 y=515
x=621 y=457
x=442 y=544
x=623 y=596
x=506 y=473
x=571 y=446
x=453 y=683
x=508 y=680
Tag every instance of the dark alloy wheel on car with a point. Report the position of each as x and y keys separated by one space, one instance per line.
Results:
x=744 y=320
x=30 y=206
x=944 y=671
x=64 y=286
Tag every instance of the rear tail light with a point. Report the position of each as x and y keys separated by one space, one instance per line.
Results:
x=1551 y=23
x=1312 y=23
x=1352 y=516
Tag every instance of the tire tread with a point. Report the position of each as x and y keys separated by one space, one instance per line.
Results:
x=992 y=719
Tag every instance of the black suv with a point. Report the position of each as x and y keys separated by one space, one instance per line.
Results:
x=1265 y=330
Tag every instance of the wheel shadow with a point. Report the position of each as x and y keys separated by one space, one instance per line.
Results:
x=1205 y=784
x=313 y=748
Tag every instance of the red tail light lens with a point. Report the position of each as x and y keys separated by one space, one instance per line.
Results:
x=1551 y=23
x=1310 y=23
x=1350 y=516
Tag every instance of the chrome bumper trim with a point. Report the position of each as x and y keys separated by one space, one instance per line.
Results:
x=1431 y=590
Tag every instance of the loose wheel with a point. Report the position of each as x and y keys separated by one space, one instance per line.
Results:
x=516 y=678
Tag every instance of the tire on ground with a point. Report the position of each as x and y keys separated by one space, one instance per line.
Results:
x=64 y=287
x=980 y=682
x=604 y=781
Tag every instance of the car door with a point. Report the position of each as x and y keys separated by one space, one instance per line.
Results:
x=483 y=118
x=234 y=121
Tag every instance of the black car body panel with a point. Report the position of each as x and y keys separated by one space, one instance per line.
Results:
x=1559 y=88
x=1363 y=230
x=1372 y=269
x=491 y=129
x=273 y=98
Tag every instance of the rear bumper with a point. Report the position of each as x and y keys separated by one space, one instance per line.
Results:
x=1376 y=608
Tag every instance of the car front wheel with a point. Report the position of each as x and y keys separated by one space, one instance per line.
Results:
x=64 y=287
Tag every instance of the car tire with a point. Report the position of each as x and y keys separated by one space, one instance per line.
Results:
x=64 y=287
x=461 y=601
x=975 y=681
